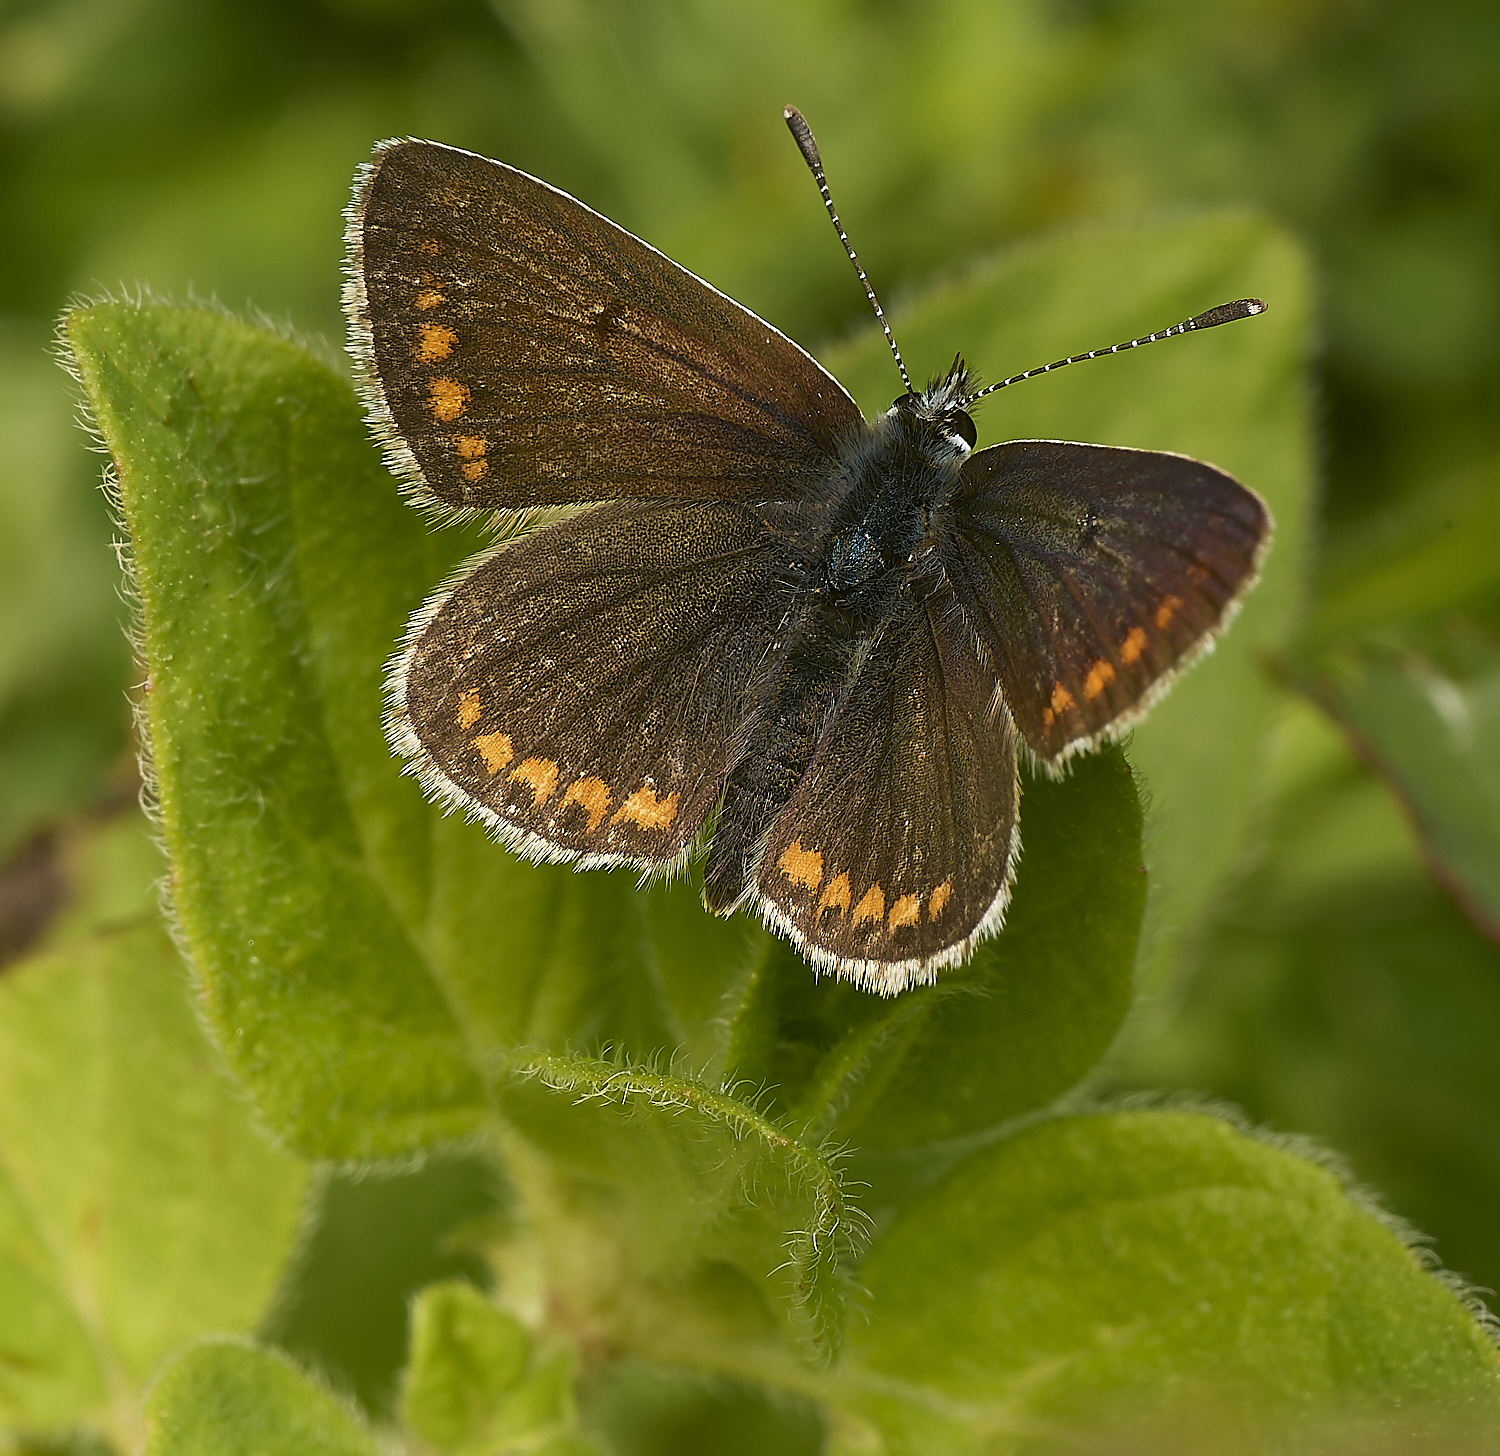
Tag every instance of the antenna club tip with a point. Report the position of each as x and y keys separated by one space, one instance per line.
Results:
x=802 y=133
x=1227 y=313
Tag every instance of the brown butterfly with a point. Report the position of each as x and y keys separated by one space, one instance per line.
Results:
x=752 y=609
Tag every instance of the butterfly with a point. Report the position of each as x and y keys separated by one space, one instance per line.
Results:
x=744 y=616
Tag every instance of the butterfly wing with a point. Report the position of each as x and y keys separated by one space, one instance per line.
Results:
x=1092 y=574
x=579 y=689
x=895 y=852
x=517 y=349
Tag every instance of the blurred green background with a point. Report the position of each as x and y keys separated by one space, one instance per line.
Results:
x=1345 y=988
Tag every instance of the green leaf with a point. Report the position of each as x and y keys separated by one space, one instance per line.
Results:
x=466 y=1355
x=475 y=1384
x=889 y=1077
x=697 y=1176
x=1131 y=1258
x=226 y=1398
x=373 y=1237
x=271 y=585
x=1432 y=732
x=333 y=918
x=1236 y=396
x=139 y=1206
x=1423 y=556
x=361 y=956
x=50 y=1372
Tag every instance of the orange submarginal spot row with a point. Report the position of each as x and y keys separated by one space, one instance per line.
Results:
x=939 y=900
x=1101 y=674
x=802 y=866
x=836 y=896
x=592 y=795
x=1133 y=645
x=540 y=775
x=646 y=811
x=470 y=710
x=447 y=399
x=871 y=905
x=495 y=749
x=1167 y=610
x=906 y=911
x=434 y=343
x=471 y=450
x=430 y=298
x=1062 y=700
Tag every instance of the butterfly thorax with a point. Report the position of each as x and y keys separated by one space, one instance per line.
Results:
x=892 y=479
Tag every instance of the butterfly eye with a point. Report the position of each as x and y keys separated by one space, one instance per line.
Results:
x=903 y=401
x=962 y=426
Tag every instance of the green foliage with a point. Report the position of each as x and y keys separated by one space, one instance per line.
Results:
x=138 y=1205
x=702 y=1201
x=675 y=1098
x=1101 y=1257
x=473 y=1383
x=227 y=1398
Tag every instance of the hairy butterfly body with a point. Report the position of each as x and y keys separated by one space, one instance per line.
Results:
x=826 y=637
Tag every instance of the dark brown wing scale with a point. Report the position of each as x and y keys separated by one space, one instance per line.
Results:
x=895 y=852
x=580 y=689
x=1092 y=574
x=521 y=350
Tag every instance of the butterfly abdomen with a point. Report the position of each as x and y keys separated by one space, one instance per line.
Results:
x=802 y=692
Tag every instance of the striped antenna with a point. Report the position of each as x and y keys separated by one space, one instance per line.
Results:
x=802 y=133
x=1225 y=313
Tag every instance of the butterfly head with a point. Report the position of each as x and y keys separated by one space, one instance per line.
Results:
x=943 y=406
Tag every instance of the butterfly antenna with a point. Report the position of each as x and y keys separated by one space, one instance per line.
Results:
x=1225 y=313
x=802 y=133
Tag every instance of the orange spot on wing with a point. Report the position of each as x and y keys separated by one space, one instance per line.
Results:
x=646 y=810
x=871 y=905
x=447 y=399
x=906 y=911
x=939 y=901
x=1167 y=610
x=836 y=896
x=471 y=450
x=430 y=246
x=802 y=866
x=496 y=750
x=470 y=710
x=1133 y=645
x=430 y=298
x=540 y=774
x=593 y=794
x=434 y=342
x=1062 y=699
x=1100 y=675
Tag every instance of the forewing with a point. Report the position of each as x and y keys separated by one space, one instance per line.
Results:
x=896 y=851
x=518 y=349
x=1092 y=574
x=579 y=689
